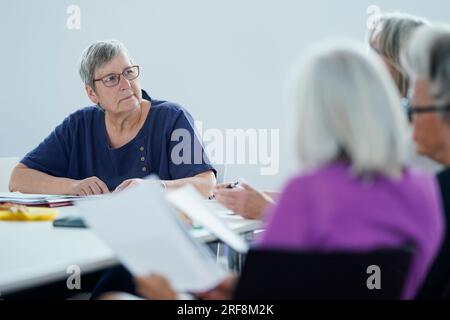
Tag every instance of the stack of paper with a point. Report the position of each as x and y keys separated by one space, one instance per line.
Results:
x=48 y=200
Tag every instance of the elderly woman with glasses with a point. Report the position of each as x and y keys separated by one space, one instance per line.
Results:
x=388 y=37
x=123 y=138
x=426 y=58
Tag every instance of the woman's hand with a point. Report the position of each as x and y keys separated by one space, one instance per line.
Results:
x=88 y=187
x=155 y=287
x=224 y=291
x=128 y=183
x=243 y=199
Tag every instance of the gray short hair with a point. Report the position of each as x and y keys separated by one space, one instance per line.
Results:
x=393 y=31
x=347 y=107
x=96 y=55
x=427 y=57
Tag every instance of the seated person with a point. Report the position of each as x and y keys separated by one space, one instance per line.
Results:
x=387 y=37
x=356 y=192
x=430 y=113
x=125 y=137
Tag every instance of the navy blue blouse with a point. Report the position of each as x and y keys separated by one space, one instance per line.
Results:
x=79 y=148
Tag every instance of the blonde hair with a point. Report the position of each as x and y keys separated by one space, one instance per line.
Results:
x=347 y=106
x=392 y=31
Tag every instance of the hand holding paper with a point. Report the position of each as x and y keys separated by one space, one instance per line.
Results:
x=188 y=200
x=148 y=237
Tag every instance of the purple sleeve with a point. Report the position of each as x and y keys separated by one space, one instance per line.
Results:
x=288 y=223
x=429 y=238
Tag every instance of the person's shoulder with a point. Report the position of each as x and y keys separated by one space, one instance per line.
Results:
x=82 y=117
x=300 y=180
x=418 y=178
x=169 y=113
x=319 y=173
x=167 y=107
x=420 y=185
x=425 y=199
x=86 y=113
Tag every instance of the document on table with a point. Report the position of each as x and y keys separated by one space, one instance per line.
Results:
x=148 y=236
x=189 y=201
x=37 y=199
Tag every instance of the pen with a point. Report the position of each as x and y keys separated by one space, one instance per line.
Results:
x=233 y=185
x=229 y=186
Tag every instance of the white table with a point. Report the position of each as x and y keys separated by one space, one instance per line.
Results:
x=36 y=253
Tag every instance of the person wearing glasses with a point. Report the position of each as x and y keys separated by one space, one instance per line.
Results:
x=426 y=58
x=387 y=37
x=123 y=138
x=355 y=191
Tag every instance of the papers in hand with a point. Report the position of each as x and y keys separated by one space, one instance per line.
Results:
x=188 y=200
x=147 y=235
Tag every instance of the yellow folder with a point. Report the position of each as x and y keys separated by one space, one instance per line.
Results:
x=21 y=213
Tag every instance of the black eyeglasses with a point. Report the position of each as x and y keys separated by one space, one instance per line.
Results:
x=411 y=111
x=113 y=79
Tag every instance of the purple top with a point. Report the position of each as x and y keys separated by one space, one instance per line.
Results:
x=329 y=209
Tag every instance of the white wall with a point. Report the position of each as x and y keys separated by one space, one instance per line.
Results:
x=226 y=61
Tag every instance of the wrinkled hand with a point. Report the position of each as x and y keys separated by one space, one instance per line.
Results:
x=88 y=186
x=224 y=291
x=128 y=183
x=155 y=287
x=244 y=200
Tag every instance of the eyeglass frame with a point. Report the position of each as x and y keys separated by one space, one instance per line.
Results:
x=410 y=110
x=119 y=75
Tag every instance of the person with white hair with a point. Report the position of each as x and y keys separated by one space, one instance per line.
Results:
x=427 y=60
x=387 y=36
x=356 y=192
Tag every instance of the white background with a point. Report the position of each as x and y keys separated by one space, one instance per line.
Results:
x=224 y=60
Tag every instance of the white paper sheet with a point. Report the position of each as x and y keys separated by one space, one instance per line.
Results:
x=19 y=195
x=188 y=200
x=30 y=199
x=143 y=229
